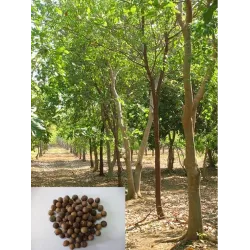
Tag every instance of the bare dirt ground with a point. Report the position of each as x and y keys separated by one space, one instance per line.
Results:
x=60 y=168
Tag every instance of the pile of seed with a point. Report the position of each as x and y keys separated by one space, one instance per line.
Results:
x=76 y=219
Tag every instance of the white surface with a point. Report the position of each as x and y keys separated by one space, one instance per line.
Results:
x=42 y=231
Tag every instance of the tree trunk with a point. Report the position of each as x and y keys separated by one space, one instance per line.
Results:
x=96 y=159
x=80 y=153
x=193 y=173
x=90 y=154
x=142 y=149
x=131 y=152
x=71 y=150
x=153 y=152
x=171 y=152
x=108 y=154
x=84 y=155
x=40 y=149
x=210 y=158
x=101 y=150
x=157 y=156
x=146 y=151
x=131 y=188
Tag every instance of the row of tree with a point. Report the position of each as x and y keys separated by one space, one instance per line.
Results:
x=129 y=74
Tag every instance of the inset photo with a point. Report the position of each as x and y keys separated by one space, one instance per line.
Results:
x=77 y=217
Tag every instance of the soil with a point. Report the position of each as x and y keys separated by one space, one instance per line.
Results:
x=58 y=167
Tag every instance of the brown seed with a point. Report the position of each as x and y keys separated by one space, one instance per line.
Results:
x=98 y=226
x=78 y=239
x=84 y=244
x=55 y=201
x=72 y=246
x=94 y=205
x=84 y=198
x=55 y=225
x=85 y=210
x=66 y=243
x=58 y=204
x=70 y=209
x=84 y=229
x=78 y=201
x=70 y=231
x=90 y=200
x=60 y=199
x=58 y=219
x=89 y=207
x=71 y=218
x=52 y=218
x=84 y=203
x=103 y=213
x=74 y=197
x=58 y=231
x=58 y=210
x=98 y=216
x=78 y=219
x=83 y=223
x=73 y=235
x=98 y=233
x=91 y=237
x=104 y=223
x=79 y=213
x=77 y=245
x=97 y=200
x=51 y=212
x=62 y=235
x=94 y=219
x=100 y=207
x=73 y=214
x=89 y=224
x=64 y=226
x=76 y=230
x=76 y=225
x=66 y=199
x=67 y=235
x=93 y=212
x=53 y=207
x=71 y=240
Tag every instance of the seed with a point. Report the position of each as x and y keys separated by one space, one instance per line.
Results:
x=97 y=200
x=71 y=240
x=64 y=226
x=84 y=244
x=51 y=212
x=78 y=239
x=85 y=210
x=52 y=218
x=100 y=207
x=58 y=204
x=70 y=231
x=84 y=203
x=90 y=200
x=98 y=233
x=72 y=246
x=74 y=197
x=70 y=209
x=76 y=230
x=89 y=224
x=98 y=226
x=98 y=216
x=73 y=214
x=83 y=223
x=58 y=231
x=78 y=201
x=94 y=205
x=55 y=201
x=84 y=198
x=93 y=212
x=60 y=199
x=76 y=224
x=73 y=235
x=84 y=229
x=66 y=199
x=104 y=223
x=58 y=219
x=79 y=213
x=91 y=237
x=53 y=207
x=77 y=245
x=103 y=213
x=66 y=243
x=62 y=235
x=55 y=225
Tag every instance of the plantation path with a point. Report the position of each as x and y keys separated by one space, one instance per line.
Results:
x=60 y=168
